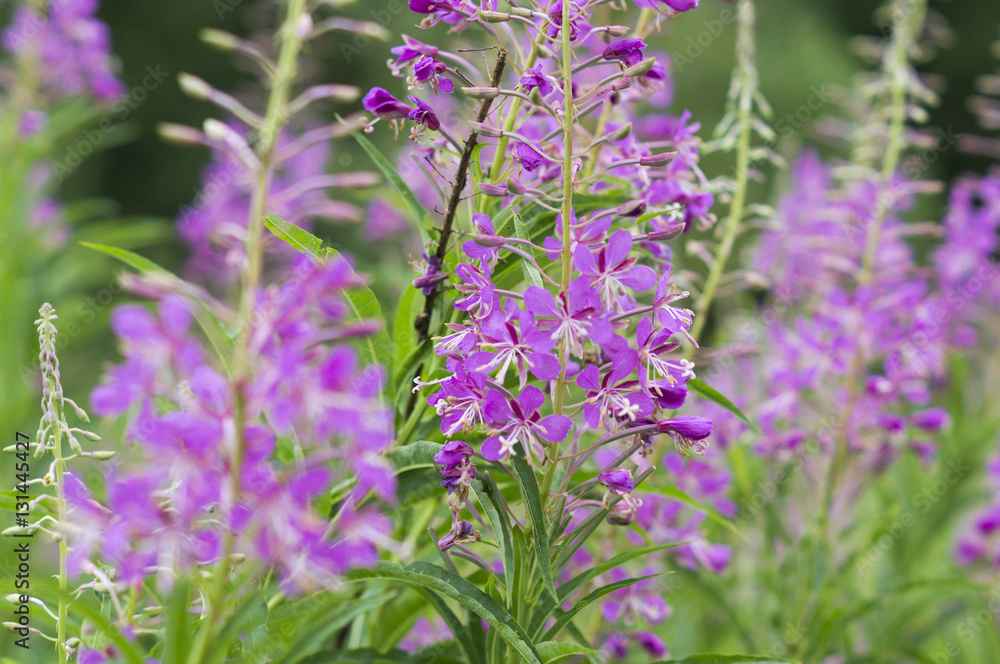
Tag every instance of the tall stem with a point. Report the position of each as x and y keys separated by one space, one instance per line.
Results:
x=274 y=119
x=747 y=81
x=60 y=464
x=567 y=215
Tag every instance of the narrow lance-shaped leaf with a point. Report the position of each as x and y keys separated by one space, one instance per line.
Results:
x=437 y=578
x=583 y=602
x=706 y=391
x=539 y=532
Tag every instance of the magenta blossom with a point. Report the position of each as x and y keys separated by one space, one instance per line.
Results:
x=518 y=421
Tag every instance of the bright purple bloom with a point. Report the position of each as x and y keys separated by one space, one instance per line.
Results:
x=428 y=69
x=629 y=51
x=618 y=480
x=518 y=421
x=384 y=105
x=524 y=346
x=530 y=158
x=534 y=78
x=424 y=114
x=614 y=272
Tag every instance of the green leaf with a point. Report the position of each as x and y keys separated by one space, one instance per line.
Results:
x=418 y=454
x=553 y=651
x=404 y=335
x=177 y=638
x=300 y=239
x=252 y=613
x=531 y=274
x=130 y=258
x=474 y=651
x=496 y=512
x=417 y=213
x=548 y=605
x=583 y=602
x=725 y=659
x=539 y=531
x=428 y=575
x=301 y=628
x=713 y=514
x=706 y=391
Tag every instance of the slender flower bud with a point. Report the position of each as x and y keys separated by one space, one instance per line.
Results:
x=641 y=68
x=515 y=186
x=493 y=17
x=495 y=190
x=621 y=133
x=633 y=208
x=657 y=159
x=481 y=92
x=486 y=130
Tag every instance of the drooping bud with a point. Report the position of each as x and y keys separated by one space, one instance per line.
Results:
x=661 y=159
x=484 y=129
x=633 y=208
x=495 y=190
x=481 y=92
x=621 y=133
x=493 y=17
x=515 y=186
x=641 y=68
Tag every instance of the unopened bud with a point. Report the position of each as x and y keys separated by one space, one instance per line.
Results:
x=73 y=643
x=194 y=86
x=673 y=230
x=661 y=159
x=219 y=39
x=543 y=51
x=13 y=598
x=91 y=436
x=237 y=558
x=641 y=68
x=303 y=26
x=178 y=133
x=493 y=17
x=481 y=93
x=623 y=84
x=621 y=133
x=102 y=455
x=492 y=190
x=484 y=129
x=616 y=30
x=491 y=241
x=515 y=186
x=633 y=208
x=14 y=530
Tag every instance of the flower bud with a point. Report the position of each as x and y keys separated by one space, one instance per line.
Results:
x=661 y=159
x=488 y=240
x=543 y=51
x=523 y=12
x=492 y=190
x=673 y=230
x=621 y=133
x=633 y=208
x=91 y=436
x=484 y=129
x=515 y=186
x=622 y=84
x=194 y=86
x=493 y=17
x=178 y=133
x=616 y=30
x=641 y=68
x=73 y=643
x=102 y=455
x=481 y=93
x=303 y=26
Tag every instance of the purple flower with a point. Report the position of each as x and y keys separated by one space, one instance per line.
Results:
x=534 y=78
x=485 y=245
x=530 y=158
x=618 y=480
x=518 y=421
x=651 y=643
x=524 y=346
x=409 y=52
x=613 y=398
x=574 y=319
x=462 y=532
x=432 y=275
x=428 y=69
x=578 y=21
x=629 y=51
x=424 y=114
x=689 y=433
x=614 y=271
x=458 y=471
x=384 y=105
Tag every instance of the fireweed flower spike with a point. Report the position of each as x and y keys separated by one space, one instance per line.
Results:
x=60 y=442
x=592 y=356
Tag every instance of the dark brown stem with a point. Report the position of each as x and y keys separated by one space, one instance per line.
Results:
x=423 y=321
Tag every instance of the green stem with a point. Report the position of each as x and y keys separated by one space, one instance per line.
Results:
x=567 y=231
x=748 y=84
x=274 y=120
x=60 y=463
